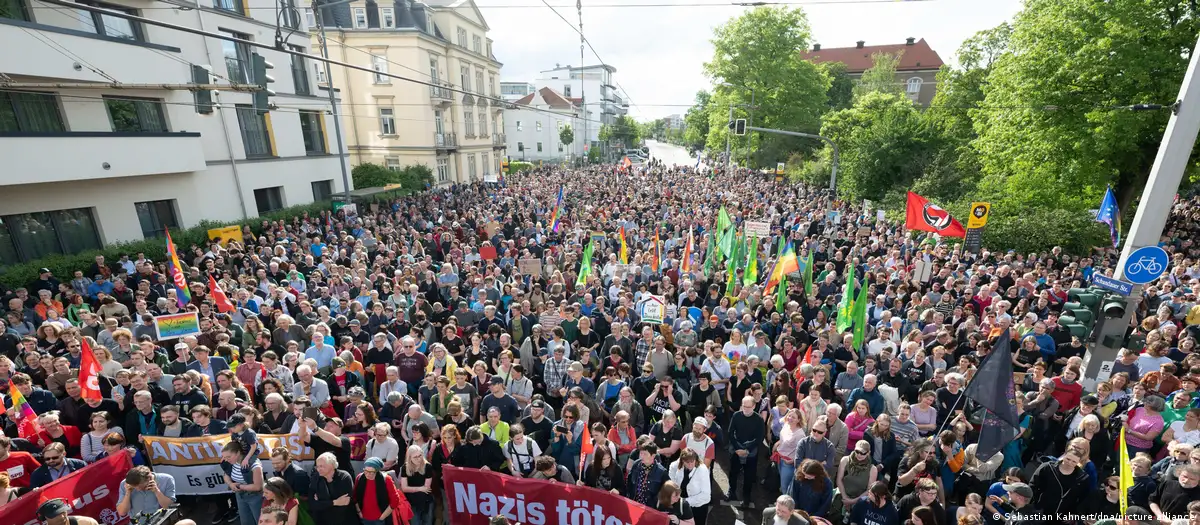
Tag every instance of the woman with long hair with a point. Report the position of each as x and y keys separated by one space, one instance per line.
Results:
x=812 y=489
x=604 y=473
x=922 y=516
x=859 y=421
x=246 y=483
x=671 y=502
x=856 y=473
x=695 y=483
x=416 y=483
x=444 y=449
x=784 y=454
x=92 y=444
x=279 y=496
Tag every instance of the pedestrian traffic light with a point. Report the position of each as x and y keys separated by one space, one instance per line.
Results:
x=262 y=97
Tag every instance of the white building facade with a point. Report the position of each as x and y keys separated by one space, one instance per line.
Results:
x=533 y=127
x=604 y=102
x=86 y=164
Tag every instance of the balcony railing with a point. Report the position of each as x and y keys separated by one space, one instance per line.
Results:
x=499 y=140
x=445 y=140
x=439 y=94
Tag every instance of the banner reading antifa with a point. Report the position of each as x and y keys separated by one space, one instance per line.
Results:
x=476 y=496
x=195 y=463
x=91 y=492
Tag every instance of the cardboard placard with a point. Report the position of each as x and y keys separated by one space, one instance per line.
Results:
x=492 y=228
x=530 y=267
x=654 y=310
x=226 y=234
x=758 y=229
x=487 y=253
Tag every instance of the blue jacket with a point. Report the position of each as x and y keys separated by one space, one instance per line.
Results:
x=94 y=289
x=814 y=503
x=655 y=475
x=215 y=361
x=1045 y=344
x=41 y=401
x=41 y=476
x=874 y=400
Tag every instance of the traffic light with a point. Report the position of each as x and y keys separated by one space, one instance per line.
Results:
x=262 y=97
x=504 y=165
x=738 y=126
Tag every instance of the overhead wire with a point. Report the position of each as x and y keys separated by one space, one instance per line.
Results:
x=654 y=5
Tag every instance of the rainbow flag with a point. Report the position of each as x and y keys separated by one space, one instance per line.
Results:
x=786 y=264
x=685 y=263
x=657 y=251
x=175 y=271
x=557 y=210
x=27 y=421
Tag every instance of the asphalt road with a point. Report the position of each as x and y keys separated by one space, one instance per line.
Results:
x=670 y=154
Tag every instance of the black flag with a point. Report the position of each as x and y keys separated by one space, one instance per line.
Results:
x=992 y=388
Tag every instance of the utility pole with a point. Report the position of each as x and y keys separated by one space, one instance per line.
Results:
x=582 y=94
x=728 y=135
x=750 y=122
x=337 y=121
x=1152 y=213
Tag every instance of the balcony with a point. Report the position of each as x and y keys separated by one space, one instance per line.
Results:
x=445 y=141
x=499 y=141
x=132 y=60
x=469 y=134
x=440 y=94
x=38 y=157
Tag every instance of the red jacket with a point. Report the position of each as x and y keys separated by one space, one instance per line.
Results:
x=1066 y=395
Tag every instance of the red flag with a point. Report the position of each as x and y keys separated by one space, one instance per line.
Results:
x=588 y=447
x=89 y=372
x=920 y=214
x=218 y=295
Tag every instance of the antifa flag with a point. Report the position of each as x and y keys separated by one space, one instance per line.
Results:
x=993 y=390
x=920 y=214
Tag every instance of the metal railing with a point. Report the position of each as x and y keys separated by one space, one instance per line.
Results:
x=445 y=140
x=499 y=140
x=440 y=93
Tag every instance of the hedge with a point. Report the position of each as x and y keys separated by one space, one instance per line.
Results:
x=64 y=266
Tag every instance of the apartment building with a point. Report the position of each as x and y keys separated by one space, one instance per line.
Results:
x=514 y=91
x=604 y=102
x=916 y=72
x=88 y=164
x=533 y=125
x=454 y=126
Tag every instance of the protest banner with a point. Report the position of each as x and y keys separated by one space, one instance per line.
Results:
x=92 y=491
x=195 y=463
x=227 y=234
x=174 y=326
x=476 y=496
x=758 y=229
x=530 y=267
x=654 y=309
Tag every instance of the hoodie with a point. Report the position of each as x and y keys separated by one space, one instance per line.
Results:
x=1055 y=492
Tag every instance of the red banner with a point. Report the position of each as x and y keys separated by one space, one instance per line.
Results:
x=920 y=214
x=92 y=492
x=476 y=496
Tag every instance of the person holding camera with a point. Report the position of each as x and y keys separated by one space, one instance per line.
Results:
x=664 y=397
x=567 y=443
x=144 y=493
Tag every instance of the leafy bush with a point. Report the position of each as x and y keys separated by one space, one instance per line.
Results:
x=65 y=265
x=517 y=165
x=413 y=176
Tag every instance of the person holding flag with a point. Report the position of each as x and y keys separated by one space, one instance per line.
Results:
x=182 y=293
x=21 y=410
x=624 y=257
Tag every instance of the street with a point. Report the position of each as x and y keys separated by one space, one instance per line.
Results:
x=669 y=154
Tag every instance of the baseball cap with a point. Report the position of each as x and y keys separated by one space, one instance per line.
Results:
x=700 y=421
x=52 y=508
x=44 y=270
x=355 y=322
x=538 y=404
x=1090 y=400
x=337 y=363
x=1019 y=488
x=236 y=419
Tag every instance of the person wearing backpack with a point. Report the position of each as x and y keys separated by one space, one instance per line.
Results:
x=520 y=451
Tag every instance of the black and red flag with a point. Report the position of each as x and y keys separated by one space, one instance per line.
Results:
x=922 y=215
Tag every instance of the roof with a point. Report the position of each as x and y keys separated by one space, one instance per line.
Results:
x=915 y=57
x=552 y=98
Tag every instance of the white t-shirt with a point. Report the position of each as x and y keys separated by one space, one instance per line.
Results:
x=1184 y=436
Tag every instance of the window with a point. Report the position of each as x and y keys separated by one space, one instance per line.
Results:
x=310 y=18
x=560 y=147
x=156 y=216
x=483 y=128
x=567 y=90
x=489 y=48
x=464 y=73
x=479 y=82
x=256 y=137
x=437 y=122
x=268 y=199
x=477 y=44
x=238 y=59
x=492 y=85
x=320 y=69
x=539 y=128
x=469 y=121
x=520 y=146
x=233 y=6
x=29 y=113
x=380 y=65
x=393 y=163
x=111 y=26
x=322 y=190
x=15 y=10
x=443 y=170
x=539 y=147
x=433 y=69
x=34 y=235
x=300 y=72
x=387 y=121
x=518 y=125
x=290 y=18
x=388 y=17
x=471 y=166
x=136 y=115
x=360 y=18
x=311 y=125
x=462 y=37
x=486 y=166
x=914 y=85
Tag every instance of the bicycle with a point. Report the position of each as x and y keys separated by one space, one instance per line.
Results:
x=1145 y=264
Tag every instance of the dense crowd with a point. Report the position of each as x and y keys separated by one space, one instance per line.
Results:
x=453 y=327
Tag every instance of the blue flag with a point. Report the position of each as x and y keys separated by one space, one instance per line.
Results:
x=992 y=389
x=1110 y=214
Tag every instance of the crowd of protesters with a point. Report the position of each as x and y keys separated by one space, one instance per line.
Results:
x=421 y=322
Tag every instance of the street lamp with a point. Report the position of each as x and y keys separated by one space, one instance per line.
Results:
x=337 y=122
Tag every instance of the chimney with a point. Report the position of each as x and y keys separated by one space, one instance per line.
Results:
x=816 y=47
x=861 y=43
x=910 y=41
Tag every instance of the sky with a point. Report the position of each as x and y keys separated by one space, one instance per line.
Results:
x=659 y=51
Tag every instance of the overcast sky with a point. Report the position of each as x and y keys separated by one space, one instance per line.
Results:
x=659 y=52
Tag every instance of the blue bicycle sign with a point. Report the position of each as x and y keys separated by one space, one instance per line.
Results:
x=1146 y=264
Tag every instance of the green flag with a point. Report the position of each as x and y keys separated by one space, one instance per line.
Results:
x=845 y=316
x=860 y=316
x=808 y=269
x=732 y=266
x=710 y=254
x=751 y=276
x=725 y=233
x=585 y=267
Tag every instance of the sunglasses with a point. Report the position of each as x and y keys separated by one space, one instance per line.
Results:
x=819 y=432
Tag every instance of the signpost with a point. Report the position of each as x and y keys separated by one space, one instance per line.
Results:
x=1112 y=285
x=976 y=220
x=1146 y=264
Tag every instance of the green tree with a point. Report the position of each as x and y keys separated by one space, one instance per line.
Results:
x=416 y=176
x=841 y=86
x=881 y=76
x=624 y=129
x=758 y=51
x=1048 y=122
x=368 y=175
x=695 y=132
x=566 y=135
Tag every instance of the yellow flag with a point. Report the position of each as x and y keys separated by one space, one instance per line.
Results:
x=1126 y=473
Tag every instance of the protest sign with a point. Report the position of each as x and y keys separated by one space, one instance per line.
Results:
x=174 y=326
x=654 y=309
x=530 y=267
x=92 y=491
x=758 y=229
x=226 y=234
